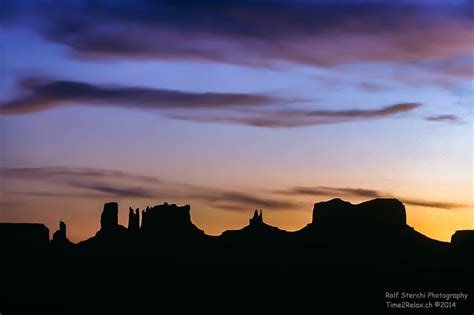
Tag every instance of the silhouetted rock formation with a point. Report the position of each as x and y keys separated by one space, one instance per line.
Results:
x=463 y=245
x=60 y=234
x=109 y=220
x=463 y=238
x=134 y=220
x=257 y=218
x=60 y=240
x=23 y=237
x=345 y=223
x=111 y=239
x=375 y=230
x=257 y=235
x=109 y=217
x=370 y=222
x=168 y=219
x=256 y=226
x=371 y=231
x=377 y=212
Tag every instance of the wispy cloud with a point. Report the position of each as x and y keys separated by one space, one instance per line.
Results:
x=122 y=191
x=289 y=118
x=433 y=204
x=331 y=191
x=370 y=87
x=43 y=94
x=239 y=108
x=85 y=173
x=229 y=199
x=366 y=193
x=444 y=118
x=100 y=183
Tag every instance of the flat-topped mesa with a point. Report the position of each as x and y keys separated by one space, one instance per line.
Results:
x=463 y=240
x=166 y=217
x=23 y=236
x=376 y=212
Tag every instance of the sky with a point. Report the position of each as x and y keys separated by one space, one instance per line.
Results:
x=235 y=106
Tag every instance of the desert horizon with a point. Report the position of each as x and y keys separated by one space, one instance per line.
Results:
x=301 y=217
x=262 y=156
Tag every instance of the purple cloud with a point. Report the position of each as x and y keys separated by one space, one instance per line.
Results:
x=290 y=118
x=239 y=108
x=366 y=193
x=100 y=183
x=43 y=94
x=258 y=33
x=443 y=118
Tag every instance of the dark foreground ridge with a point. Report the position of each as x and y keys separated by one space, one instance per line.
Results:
x=344 y=246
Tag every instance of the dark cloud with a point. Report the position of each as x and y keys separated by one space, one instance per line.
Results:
x=231 y=207
x=84 y=173
x=235 y=200
x=115 y=191
x=444 y=118
x=321 y=33
x=368 y=113
x=44 y=94
x=366 y=193
x=330 y=191
x=289 y=118
x=432 y=204
x=100 y=183
x=369 y=193
x=247 y=109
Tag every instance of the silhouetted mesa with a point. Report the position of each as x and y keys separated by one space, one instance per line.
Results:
x=23 y=237
x=463 y=242
x=341 y=223
x=463 y=237
x=169 y=219
x=372 y=231
x=377 y=212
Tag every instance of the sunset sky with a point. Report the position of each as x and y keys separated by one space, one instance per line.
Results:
x=236 y=106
